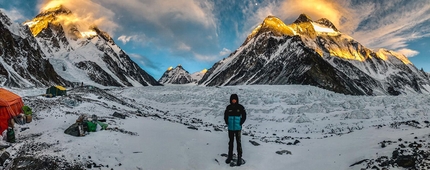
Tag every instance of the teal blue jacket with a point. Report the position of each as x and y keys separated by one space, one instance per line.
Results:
x=234 y=116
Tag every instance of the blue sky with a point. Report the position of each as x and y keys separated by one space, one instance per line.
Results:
x=158 y=34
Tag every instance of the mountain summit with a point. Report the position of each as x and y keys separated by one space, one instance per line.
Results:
x=84 y=54
x=303 y=18
x=179 y=75
x=42 y=20
x=315 y=53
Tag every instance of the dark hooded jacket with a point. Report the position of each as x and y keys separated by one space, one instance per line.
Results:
x=235 y=114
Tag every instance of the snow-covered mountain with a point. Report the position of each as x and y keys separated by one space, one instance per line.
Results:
x=81 y=54
x=22 y=64
x=179 y=75
x=315 y=53
x=197 y=76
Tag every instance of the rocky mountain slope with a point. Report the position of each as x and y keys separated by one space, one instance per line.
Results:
x=68 y=54
x=179 y=75
x=315 y=53
x=22 y=63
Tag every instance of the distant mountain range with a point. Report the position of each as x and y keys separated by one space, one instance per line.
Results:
x=44 y=52
x=179 y=75
x=315 y=53
x=53 y=53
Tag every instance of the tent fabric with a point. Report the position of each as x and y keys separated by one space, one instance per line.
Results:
x=61 y=88
x=56 y=91
x=10 y=105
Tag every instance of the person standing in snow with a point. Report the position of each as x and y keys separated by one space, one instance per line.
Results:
x=234 y=117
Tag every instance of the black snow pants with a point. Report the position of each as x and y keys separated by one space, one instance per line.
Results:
x=231 y=135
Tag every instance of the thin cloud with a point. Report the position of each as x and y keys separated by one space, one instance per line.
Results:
x=174 y=26
x=183 y=47
x=211 y=58
x=13 y=14
x=156 y=11
x=408 y=52
x=124 y=39
x=224 y=52
x=393 y=29
x=137 y=38
x=161 y=14
x=207 y=58
x=144 y=61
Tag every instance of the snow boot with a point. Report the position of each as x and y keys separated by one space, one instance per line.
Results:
x=228 y=160
x=239 y=161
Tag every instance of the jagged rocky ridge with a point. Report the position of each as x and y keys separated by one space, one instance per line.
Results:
x=315 y=53
x=22 y=64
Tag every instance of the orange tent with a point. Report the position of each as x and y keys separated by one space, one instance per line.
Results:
x=10 y=105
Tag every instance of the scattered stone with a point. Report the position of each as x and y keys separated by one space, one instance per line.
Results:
x=4 y=156
x=116 y=129
x=287 y=152
x=409 y=155
x=254 y=143
x=406 y=161
x=24 y=128
x=217 y=129
x=192 y=127
x=118 y=115
x=359 y=162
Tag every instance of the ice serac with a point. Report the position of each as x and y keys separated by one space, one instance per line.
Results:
x=315 y=53
x=81 y=53
x=179 y=75
x=22 y=64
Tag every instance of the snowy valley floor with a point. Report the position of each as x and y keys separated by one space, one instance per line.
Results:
x=182 y=128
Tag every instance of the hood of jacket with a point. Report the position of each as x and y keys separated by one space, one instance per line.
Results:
x=234 y=96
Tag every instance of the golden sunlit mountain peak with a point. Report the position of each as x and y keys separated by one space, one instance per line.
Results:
x=303 y=18
x=303 y=25
x=204 y=71
x=272 y=24
x=60 y=16
x=170 y=68
x=42 y=20
x=328 y=23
